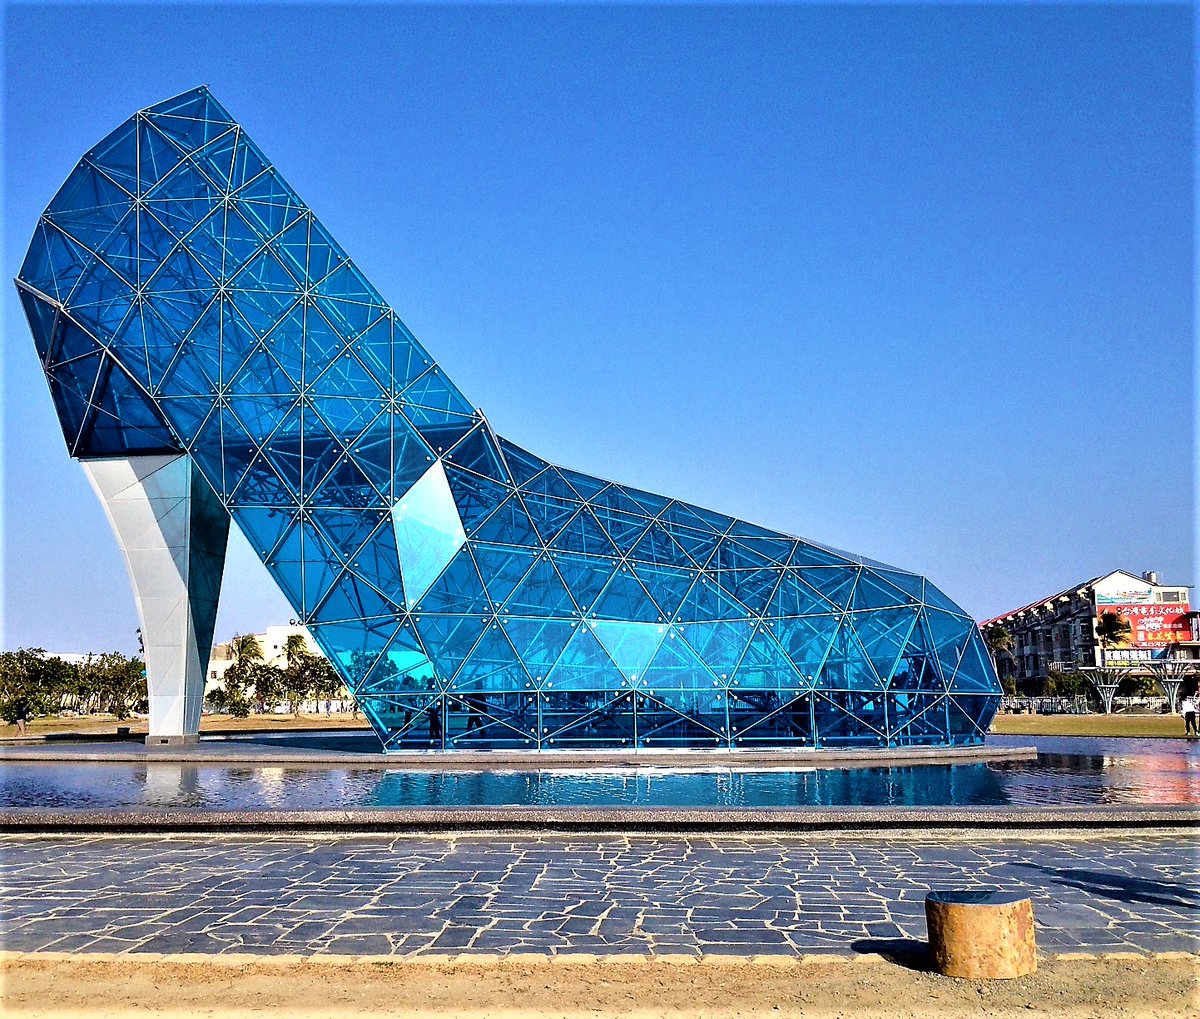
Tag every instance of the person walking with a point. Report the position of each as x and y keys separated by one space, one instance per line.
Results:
x=1188 y=707
x=22 y=713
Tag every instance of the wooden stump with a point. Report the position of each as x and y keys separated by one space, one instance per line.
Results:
x=981 y=933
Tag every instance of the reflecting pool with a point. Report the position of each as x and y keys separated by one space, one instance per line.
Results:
x=1067 y=770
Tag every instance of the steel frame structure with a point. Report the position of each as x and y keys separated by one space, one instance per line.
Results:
x=184 y=301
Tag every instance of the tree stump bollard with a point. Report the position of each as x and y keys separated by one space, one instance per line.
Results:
x=981 y=933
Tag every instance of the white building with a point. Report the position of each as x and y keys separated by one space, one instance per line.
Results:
x=273 y=643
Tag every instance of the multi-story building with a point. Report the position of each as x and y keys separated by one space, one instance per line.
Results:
x=1117 y=621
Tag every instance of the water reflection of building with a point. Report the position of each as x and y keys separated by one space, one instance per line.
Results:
x=168 y=784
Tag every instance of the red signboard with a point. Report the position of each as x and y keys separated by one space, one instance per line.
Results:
x=1151 y=625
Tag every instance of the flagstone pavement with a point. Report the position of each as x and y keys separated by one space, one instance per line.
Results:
x=602 y=893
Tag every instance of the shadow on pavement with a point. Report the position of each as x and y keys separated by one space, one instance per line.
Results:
x=1122 y=887
x=906 y=952
x=361 y=741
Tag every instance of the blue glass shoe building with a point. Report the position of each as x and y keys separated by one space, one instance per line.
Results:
x=216 y=359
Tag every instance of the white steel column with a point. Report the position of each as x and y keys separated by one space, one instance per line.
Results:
x=172 y=531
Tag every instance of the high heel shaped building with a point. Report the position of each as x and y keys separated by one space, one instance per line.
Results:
x=217 y=361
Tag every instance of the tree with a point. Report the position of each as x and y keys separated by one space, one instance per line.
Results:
x=295 y=648
x=999 y=643
x=121 y=683
x=1112 y=629
x=245 y=647
x=28 y=676
x=248 y=673
x=297 y=676
x=306 y=674
x=1136 y=686
x=1066 y=684
x=326 y=683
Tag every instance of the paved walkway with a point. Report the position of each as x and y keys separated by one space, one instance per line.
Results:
x=376 y=895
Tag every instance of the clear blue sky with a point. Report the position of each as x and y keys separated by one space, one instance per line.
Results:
x=913 y=281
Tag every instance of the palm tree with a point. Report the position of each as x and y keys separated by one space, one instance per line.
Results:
x=999 y=642
x=246 y=649
x=243 y=674
x=295 y=648
x=297 y=676
x=1112 y=628
x=1000 y=645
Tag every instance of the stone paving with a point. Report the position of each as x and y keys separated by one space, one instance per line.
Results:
x=413 y=894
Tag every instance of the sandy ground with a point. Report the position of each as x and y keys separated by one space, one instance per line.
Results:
x=107 y=724
x=865 y=987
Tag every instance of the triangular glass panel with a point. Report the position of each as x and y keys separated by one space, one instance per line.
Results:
x=624 y=598
x=509 y=524
x=667 y=585
x=582 y=533
x=449 y=639
x=975 y=674
x=707 y=601
x=884 y=635
x=649 y=503
x=720 y=645
x=429 y=531
x=585 y=666
x=501 y=567
x=477 y=452
x=765 y=666
x=700 y=546
x=847 y=666
x=584 y=485
x=657 y=546
x=476 y=497
x=457 y=589
x=541 y=593
x=41 y=318
x=584 y=575
x=548 y=513
x=492 y=664
x=125 y=422
x=807 y=554
x=269 y=203
x=871 y=592
x=624 y=531
x=752 y=588
x=539 y=642
x=615 y=498
x=950 y=635
x=630 y=645
x=522 y=465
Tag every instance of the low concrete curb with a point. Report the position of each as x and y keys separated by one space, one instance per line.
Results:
x=484 y=960
x=209 y=752
x=649 y=820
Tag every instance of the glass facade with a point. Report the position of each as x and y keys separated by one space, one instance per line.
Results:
x=184 y=299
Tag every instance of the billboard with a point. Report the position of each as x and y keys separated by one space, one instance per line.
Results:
x=1141 y=633
x=1123 y=657
x=1121 y=589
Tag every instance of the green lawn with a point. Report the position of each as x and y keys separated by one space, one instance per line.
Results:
x=1088 y=725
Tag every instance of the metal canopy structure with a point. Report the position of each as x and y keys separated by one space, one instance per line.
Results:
x=184 y=300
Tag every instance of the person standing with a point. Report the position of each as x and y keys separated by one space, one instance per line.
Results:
x=1188 y=707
